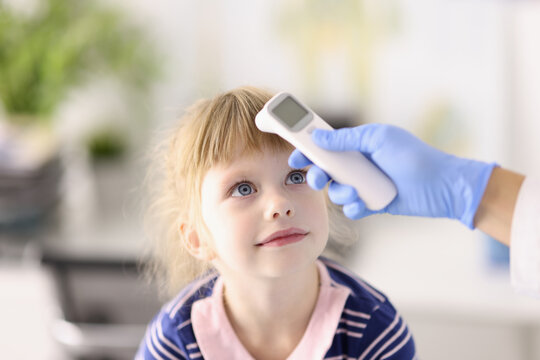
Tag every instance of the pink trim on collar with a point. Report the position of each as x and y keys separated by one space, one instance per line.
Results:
x=217 y=339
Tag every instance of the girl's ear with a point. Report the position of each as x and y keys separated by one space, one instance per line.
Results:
x=194 y=245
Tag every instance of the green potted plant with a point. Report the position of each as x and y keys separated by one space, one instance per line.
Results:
x=43 y=55
x=61 y=45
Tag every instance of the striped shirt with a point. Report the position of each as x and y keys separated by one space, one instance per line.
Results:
x=351 y=320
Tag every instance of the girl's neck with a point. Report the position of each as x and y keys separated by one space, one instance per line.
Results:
x=272 y=311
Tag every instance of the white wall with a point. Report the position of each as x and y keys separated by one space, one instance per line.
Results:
x=525 y=121
x=457 y=53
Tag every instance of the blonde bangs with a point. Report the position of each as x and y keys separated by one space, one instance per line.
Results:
x=215 y=131
x=228 y=129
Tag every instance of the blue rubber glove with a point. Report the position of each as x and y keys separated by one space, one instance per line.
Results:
x=430 y=183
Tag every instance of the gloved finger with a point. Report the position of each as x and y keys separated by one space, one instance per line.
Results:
x=317 y=178
x=356 y=210
x=365 y=138
x=341 y=194
x=297 y=160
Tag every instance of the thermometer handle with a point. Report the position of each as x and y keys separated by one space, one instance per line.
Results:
x=348 y=167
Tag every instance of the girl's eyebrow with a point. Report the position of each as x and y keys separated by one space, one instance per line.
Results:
x=233 y=176
x=305 y=168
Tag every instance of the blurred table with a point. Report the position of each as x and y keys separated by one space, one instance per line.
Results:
x=72 y=283
x=75 y=297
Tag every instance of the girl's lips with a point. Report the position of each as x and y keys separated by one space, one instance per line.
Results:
x=283 y=237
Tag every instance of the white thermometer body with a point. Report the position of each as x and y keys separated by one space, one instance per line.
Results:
x=287 y=117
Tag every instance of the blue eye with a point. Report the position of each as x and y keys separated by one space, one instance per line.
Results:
x=296 y=177
x=243 y=189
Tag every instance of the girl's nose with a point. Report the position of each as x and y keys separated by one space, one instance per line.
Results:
x=279 y=206
x=287 y=212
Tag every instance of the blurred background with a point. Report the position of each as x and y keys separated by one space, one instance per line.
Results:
x=84 y=86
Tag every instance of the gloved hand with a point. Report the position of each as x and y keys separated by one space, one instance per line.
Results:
x=430 y=182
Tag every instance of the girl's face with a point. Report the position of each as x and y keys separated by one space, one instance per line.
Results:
x=263 y=218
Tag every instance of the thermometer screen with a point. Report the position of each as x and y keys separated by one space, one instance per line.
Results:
x=289 y=112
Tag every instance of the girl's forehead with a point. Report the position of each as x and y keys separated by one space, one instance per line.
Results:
x=251 y=166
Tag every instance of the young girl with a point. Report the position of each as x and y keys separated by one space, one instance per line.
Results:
x=250 y=231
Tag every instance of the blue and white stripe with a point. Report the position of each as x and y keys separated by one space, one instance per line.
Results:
x=369 y=327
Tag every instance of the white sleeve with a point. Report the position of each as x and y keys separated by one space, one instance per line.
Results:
x=525 y=239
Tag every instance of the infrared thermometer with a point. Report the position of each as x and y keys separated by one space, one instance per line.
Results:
x=287 y=117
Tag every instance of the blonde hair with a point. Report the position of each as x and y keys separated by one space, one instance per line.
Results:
x=210 y=132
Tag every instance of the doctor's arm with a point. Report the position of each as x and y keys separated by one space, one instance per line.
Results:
x=495 y=212
x=430 y=183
